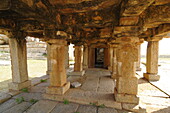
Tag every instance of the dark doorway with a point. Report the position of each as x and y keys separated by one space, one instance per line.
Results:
x=99 y=57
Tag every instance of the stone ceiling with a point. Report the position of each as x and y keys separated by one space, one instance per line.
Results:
x=85 y=19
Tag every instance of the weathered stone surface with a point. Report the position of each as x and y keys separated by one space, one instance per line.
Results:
x=107 y=110
x=4 y=97
x=19 y=108
x=75 y=84
x=87 y=109
x=29 y=96
x=65 y=108
x=18 y=86
x=58 y=90
x=127 y=85
x=38 y=89
x=76 y=73
x=7 y=105
x=42 y=106
x=134 y=108
x=151 y=77
x=78 y=53
x=129 y=20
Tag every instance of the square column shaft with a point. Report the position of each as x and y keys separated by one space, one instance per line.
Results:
x=48 y=59
x=110 y=53
x=58 y=78
x=138 y=68
x=67 y=57
x=85 y=57
x=114 y=62
x=152 y=61
x=19 y=64
x=127 y=82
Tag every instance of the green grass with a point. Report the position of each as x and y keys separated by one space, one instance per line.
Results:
x=33 y=101
x=66 y=101
x=20 y=100
x=43 y=80
x=25 y=90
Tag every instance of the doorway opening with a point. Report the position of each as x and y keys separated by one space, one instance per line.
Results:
x=99 y=57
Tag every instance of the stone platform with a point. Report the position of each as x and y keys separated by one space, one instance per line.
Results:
x=96 y=95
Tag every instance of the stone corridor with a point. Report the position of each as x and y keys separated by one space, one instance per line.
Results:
x=94 y=96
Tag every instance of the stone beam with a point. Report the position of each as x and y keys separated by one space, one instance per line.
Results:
x=135 y=7
x=156 y=15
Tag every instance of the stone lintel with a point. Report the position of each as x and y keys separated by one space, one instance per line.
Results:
x=151 y=76
x=126 y=98
x=57 y=41
x=76 y=73
x=19 y=86
x=58 y=90
x=126 y=29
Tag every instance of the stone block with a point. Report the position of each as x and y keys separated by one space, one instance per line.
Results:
x=76 y=73
x=58 y=90
x=129 y=20
x=127 y=85
x=134 y=108
x=4 y=97
x=19 y=86
x=151 y=77
x=126 y=98
x=75 y=84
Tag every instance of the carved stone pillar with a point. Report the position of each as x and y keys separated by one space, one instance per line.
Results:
x=85 y=57
x=48 y=59
x=18 y=55
x=78 y=65
x=114 y=61
x=110 y=53
x=138 y=68
x=67 y=57
x=152 y=61
x=58 y=78
x=126 y=82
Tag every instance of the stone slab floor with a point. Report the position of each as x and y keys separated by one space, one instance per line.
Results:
x=97 y=88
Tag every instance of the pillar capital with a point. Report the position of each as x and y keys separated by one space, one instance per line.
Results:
x=57 y=41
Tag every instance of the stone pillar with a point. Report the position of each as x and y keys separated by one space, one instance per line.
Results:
x=48 y=59
x=18 y=55
x=78 y=65
x=152 y=61
x=85 y=57
x=114 y=61
x=106 y=58
x=139 y=59
x=127 y=82
x=67 y=57
x=91 y=60
x=58 y=78
x=110 y=56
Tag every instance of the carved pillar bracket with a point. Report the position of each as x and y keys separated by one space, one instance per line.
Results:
x=58 y=78
x=127 y=82
x=152 y=61
x=17 y=44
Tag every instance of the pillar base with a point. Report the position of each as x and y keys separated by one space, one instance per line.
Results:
x=76 y=73
x=19 y=86
x=58 y=90
x=126 y=98
x=151 y=77
x=48 y=72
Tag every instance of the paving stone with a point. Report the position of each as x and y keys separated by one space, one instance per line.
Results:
x=8 y=104
x=87 y=109
x=42 y=106
x=106 y=84
x=44 y=84
x=107 y=110
x=65 y=108
x=38 y=89
x=19 y=108
x=90 y=84
x=4 y=97
x=29 y=96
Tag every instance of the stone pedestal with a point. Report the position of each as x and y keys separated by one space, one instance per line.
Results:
x=19 y=64
x=78 y=65
x=127 y=82
x=48 y=59
x=58 y=78
x=152 y=61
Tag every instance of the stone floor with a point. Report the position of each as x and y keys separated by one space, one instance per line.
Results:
x=95 y=94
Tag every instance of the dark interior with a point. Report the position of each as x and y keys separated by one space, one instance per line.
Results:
x=99 y=57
